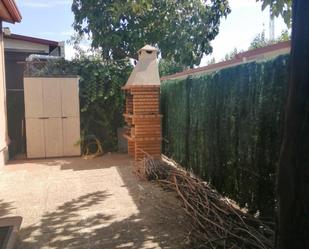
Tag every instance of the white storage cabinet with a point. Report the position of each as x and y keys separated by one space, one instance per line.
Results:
x=52 y=117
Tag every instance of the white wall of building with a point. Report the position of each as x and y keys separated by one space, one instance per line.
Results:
x=3 y=120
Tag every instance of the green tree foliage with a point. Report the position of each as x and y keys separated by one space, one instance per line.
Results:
x=231 y=55
x=211 y=61
x=167 y=67
x=227 y=128
x=284 y=36
x=279 y=7
x=260 y=40
x=181 y=29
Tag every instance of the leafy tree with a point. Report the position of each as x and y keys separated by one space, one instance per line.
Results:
x=279 y=7
x=284 y=36
x=182 y=29
x=232 y=54
x=211 y=61
x=167 y=67
x=260 y=39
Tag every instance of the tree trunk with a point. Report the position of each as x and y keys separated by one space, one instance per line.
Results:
x=293 y=174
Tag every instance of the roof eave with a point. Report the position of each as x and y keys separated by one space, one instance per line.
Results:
x=13 y=11
x=32 y=39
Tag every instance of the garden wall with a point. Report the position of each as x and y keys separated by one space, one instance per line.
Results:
x=227 y=128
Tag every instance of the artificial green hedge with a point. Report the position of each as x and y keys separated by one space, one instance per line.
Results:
x=227 y=127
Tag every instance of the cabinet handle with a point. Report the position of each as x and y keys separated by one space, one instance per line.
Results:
x=64 y=117
x=43 y=117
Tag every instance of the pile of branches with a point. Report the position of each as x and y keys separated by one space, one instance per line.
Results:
x=216 y=220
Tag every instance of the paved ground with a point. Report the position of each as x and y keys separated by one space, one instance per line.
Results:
x=86 y=204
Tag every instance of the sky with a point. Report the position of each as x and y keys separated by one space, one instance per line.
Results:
x=52 y=19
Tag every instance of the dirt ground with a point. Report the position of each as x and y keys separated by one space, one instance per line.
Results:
x=86 y=204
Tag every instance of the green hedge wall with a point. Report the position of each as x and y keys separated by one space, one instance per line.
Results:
x=227 y=126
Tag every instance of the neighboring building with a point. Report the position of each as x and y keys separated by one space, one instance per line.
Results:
x=17 y=49
x=248 y=56
x=14 y=43
x=8 y=13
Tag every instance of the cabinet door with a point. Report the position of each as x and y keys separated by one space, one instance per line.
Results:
x=52 y=97
x=35 y=138
x=71 y=135
x=53 y=137
x=33 y=92
x=70 y=97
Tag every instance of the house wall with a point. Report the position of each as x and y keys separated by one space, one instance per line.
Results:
x=16 y=52
x=3 y=122
x=14 y=70
x=25 y=46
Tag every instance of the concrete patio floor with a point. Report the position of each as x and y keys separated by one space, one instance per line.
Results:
x=86 y=204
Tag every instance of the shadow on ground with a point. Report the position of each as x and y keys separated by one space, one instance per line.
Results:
x=5 y=208
x=159 y=222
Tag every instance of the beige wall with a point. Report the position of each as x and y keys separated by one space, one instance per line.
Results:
x=17 y=45
x=3 y=126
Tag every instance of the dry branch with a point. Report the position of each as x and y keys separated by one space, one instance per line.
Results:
x=217 y=221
